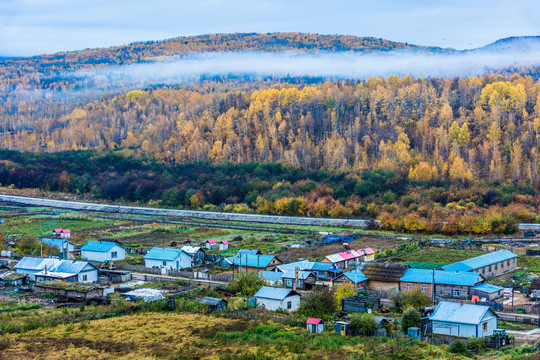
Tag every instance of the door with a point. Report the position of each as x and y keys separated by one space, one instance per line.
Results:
x=342 y=330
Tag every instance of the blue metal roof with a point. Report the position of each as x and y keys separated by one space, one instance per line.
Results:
x=251 y=260
x=306 y=265
x=481 y=261
x=291 y=274
x=321 y=266
x=167 y=254
x=459 y=313
x=271 y=275
x=99 y=246
x=442 y=277
x=55 y=265
x=351 y=275
x=247 y=251
x=59 y=243
x=487 y=288
x=274 y=293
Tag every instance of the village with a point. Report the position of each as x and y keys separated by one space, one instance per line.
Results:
x=483 y=297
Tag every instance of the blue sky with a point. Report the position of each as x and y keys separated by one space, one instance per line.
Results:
x=31 y=27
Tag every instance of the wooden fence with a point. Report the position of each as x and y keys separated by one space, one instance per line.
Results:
x=523 y=319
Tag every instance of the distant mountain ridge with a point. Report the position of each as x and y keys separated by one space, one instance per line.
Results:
x=513 y=43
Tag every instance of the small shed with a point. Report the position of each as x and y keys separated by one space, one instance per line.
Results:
x=488 y=292
x=13 y=278
x=223 y=245
x=214 y=304
x=211 y=244
x=414 y=333
x=315 y=325
x=354 y=278
x=342 y=328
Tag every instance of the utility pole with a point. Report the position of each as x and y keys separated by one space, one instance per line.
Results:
x=433 y=287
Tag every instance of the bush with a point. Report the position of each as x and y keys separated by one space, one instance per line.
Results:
x=319 y=303
x=364 y=324
x=410 y=318
x=458 y=346
x=247 y=283
x=475 y=344
x=398 y=299
x=416 y=299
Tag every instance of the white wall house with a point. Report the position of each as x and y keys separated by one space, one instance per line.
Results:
x=61 y=244
x=34 y=266
x=102 y=251
x=272 y=298
x=167 y=258
x=463 y=320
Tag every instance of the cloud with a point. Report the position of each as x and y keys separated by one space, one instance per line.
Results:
x=333 y=65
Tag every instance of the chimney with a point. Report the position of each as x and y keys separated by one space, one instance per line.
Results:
x=461 y=303
x=45 y=270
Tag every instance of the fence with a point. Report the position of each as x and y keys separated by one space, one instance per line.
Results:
x=253 y=316
x=519 y=318
x=526 y=309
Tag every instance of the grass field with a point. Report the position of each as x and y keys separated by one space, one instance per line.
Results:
x=40 y=225
x=438 y=255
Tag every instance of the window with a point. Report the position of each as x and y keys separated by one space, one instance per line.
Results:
x=289 y=304
x=85 y=278
x=114 y=254
x=424 y=288
x=496 y=267
x=507 y=263
x=164 y=263
x=482 y=271
x=289 y=282
x=484 y=326
x=456 y=292
x=409 y=287
x=514 y=261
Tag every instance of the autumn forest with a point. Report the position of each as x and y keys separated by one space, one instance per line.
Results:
x=450 y=155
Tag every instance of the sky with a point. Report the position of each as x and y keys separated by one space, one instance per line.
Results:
x=33 y=27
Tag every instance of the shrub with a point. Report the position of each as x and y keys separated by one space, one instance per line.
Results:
x=458 y=346
x=417 y=299
x=319 y=303
x=397 y=298
x=475 y=344
x=363 y=323
x=247 y=283
x=410 y=318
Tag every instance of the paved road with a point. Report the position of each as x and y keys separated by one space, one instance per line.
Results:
x=253 y=218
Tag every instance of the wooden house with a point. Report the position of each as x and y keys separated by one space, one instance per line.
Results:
x=167 y=258
x=306 y=280
x=197 y=253
x=12 y=278
x=354 y=278
x=70 y=291
x=223 y=245
x=384 y=276
x=251 y=262
x=487 y=292
x=103 y=251
x=272 y=298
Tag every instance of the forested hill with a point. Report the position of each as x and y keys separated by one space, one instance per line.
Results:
x=150 y=50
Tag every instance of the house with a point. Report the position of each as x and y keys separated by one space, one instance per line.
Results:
x=321 y=271
x=197 y=253
x=383 y=276
x=274 y=278
x=228 y=261
x=463 y=320
x=61 y=244
x=12 y=278
x=343 y=259
x=80 y=271
x=448 y=284
x=369 y=254
x=306 y=280
x=214 y=304
x=272 y=298
x=360 y=303
x=314 y=325
x=342 y=327
x=250 y=262
x=354 y=278
x=223 y=245
x=487 y=292
x=102 y=251
x=487 y=265
x=167 y=258
x=61 y=233
x=211 y=244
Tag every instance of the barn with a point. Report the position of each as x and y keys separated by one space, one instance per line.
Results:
x=384 y=276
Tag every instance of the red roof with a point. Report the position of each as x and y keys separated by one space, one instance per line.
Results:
x=224 y=242
x=313 y=321
x=57 y=230
x=66 y=231
x=211 y=241
x=347 y=255
x=369 y=251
